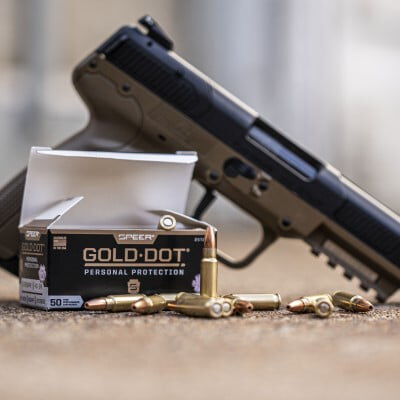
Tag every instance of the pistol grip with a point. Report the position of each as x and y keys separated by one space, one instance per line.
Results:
x=268 y=238
x=10 y=207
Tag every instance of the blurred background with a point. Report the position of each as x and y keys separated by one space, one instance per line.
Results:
x=324 y=72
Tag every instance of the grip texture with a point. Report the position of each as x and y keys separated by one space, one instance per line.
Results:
x=10 y=208
x=11 y=198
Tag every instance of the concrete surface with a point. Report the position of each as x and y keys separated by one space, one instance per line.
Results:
x=265 y=355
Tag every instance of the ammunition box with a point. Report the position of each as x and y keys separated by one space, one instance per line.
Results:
x=61 y=269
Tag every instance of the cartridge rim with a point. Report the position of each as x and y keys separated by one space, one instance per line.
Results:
x=216 y=309
x=279 y=302
x=167 y=222
x=323 y=308
x=227 y=307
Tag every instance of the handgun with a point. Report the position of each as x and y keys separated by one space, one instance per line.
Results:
x=143 y=97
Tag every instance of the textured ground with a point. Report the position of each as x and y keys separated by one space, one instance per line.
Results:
x=269 y=355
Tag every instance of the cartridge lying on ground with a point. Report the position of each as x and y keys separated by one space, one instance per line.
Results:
x=323 y=307
x=260 y=301
x=228 y=305
x=197 y=306
x=351 y=302
x=209 y=265
x=149 y=304
x=113 y=303
x=320 y=304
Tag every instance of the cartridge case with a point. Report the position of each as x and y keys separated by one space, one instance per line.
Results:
x=167 y=222
x=121 y=302
x=351 y=302
x=307 y=303
x=209 y=274
x=323 y=307
x=184 y=297
x=197 y=306
x=149 y=304
x=193 y=298
x=228 y=307
x=260 y=301
x=209 y=266
x=170 y=297
x=113 y=303
x=319 y=296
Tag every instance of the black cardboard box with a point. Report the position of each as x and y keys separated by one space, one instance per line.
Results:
x=61 y=269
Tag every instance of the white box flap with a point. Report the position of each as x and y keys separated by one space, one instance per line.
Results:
x=117 y=188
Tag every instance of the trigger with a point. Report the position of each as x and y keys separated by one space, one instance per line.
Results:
x=204 y=204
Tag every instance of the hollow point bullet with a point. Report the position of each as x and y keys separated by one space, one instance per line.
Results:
x=300 y=306
x=351 y=302
x=241 y=307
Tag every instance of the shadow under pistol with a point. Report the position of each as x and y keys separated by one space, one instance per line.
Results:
x=143 y=97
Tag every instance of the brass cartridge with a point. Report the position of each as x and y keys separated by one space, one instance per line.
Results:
x=149 y=304
x=167 y=222
x=351 y=302
x=260 y=301
x=113 y=303
x=323 y=307
x=193 y=298
x=228 y=306
x=307 y=303
x=184 y=297
x=197 y=306
x=170 y=297
x=209 y=266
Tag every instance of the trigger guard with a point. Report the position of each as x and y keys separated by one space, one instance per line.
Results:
x=268 y=238
x=206 y=201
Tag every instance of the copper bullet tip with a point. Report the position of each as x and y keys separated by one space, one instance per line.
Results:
x=209 y=238
x=295 y=306
x=363 y=305
x=98 y=304
x=139 y=306
x=243 y=307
